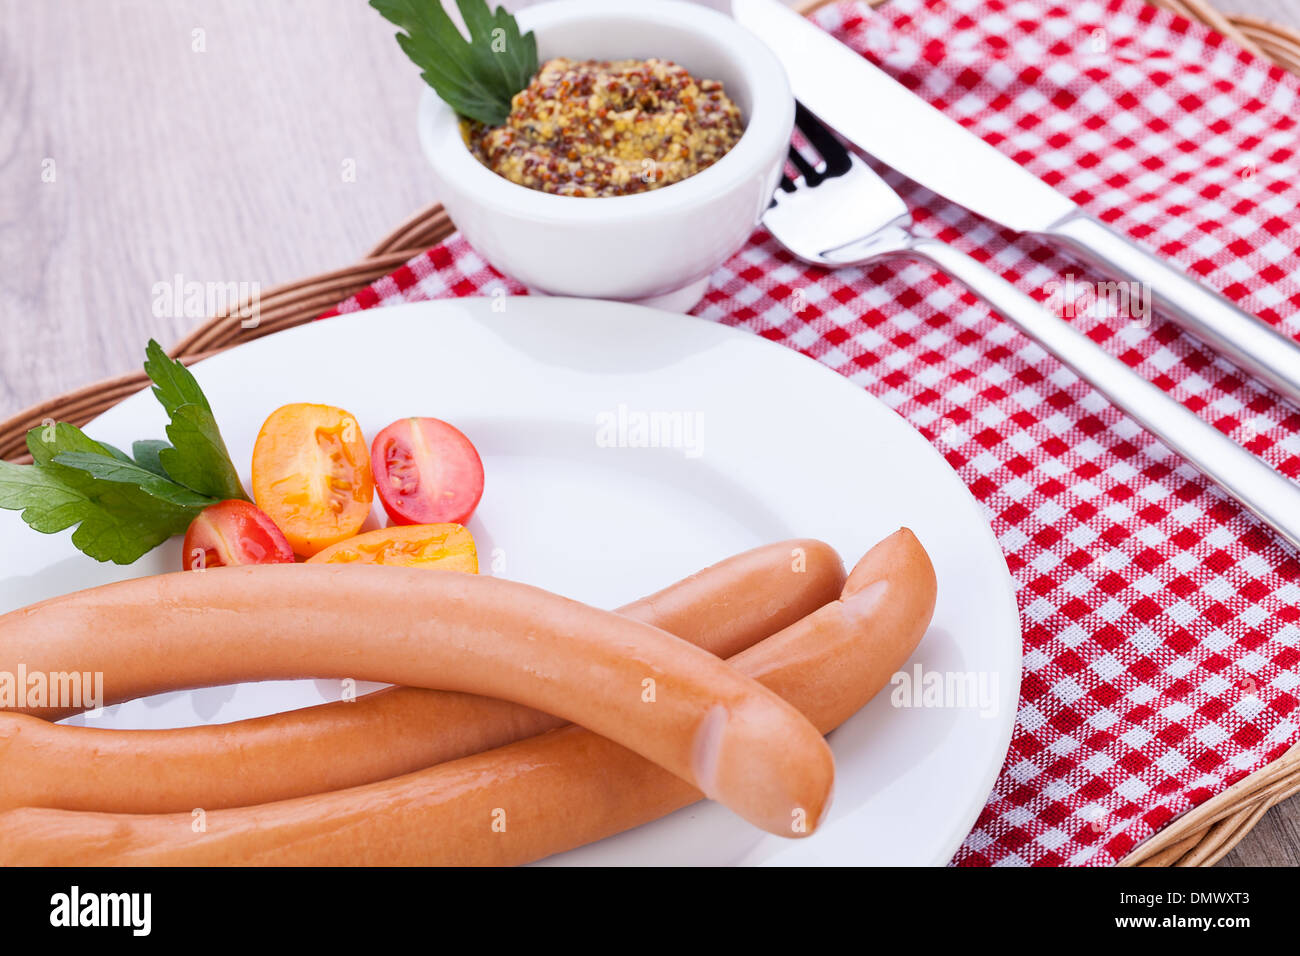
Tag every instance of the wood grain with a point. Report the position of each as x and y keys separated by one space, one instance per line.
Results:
x=220 y=165
x=1285 y=12
x=213 y=141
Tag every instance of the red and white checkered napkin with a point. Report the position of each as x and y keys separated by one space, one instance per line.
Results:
x=1162 y=635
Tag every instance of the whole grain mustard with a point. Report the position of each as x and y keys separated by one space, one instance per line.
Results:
x=609 y=128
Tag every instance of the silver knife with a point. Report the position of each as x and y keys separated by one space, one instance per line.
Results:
x=883 y=118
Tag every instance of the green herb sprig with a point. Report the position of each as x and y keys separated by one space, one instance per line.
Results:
x=477 y=77
x=124 y=506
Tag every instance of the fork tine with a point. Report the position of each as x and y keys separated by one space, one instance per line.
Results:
x=837 y=158
x=806 y=170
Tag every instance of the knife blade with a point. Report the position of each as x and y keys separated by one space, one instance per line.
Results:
x=886 y=120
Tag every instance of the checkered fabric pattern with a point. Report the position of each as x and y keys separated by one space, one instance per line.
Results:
x=1161 y=622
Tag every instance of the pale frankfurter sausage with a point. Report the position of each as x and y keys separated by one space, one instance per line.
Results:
x=671 y=702
x=527 y=800
x=724 y=608
x=736 y=603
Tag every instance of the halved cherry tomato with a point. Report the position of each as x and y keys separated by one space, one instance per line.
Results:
x=426 y=472
x=448 y=547
x=311 y=474
x=232 y=533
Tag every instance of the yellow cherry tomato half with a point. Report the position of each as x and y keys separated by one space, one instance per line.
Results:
x=448 y=547
x=311 y=475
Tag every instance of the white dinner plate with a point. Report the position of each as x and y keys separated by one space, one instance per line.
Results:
x=765 y=445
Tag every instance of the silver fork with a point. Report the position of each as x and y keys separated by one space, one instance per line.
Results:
x=838 y=212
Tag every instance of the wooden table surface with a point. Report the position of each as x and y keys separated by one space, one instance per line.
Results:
x=234 y=141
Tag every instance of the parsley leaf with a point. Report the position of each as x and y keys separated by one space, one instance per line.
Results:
x=476 y=77
x=115 y=522
x=173 y=384
x=146 y=455
x=123 y=507
x=115 y=451
x=129 y=473
x=198 y=458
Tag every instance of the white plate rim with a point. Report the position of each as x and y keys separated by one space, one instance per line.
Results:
x=1010 y=689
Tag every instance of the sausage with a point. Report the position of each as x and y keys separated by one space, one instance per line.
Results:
x=670 y=701
x=527 y=800
x=724 y=608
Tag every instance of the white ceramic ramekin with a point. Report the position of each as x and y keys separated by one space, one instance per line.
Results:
x=656 y=247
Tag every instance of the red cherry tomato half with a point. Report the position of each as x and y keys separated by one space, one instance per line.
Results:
x=426 y=472
x=231 y=533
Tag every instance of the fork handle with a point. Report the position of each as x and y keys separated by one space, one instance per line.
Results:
x=1254 y=346
x=1248 y=479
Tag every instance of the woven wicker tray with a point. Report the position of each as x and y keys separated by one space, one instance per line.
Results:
x=1198 y=838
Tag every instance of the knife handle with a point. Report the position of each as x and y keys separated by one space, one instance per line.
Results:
x=1252 y=345
x=1248 y=479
